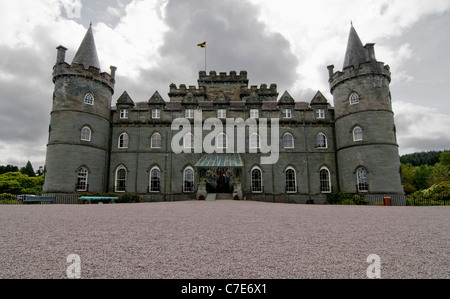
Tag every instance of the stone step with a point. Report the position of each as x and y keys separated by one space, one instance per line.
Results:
x=210 y=197
x=224 y=196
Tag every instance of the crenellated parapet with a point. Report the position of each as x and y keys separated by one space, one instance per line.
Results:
x=265 y=93
x=179 y=93
x=222 y=78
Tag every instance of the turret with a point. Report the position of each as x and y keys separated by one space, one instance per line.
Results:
x=366 y=144
x=78 y=145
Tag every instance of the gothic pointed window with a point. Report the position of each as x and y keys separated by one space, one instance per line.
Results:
x=82 y=179
x=155 y=180
x=321 y=141
x=86 y=134
x=361 y=176
x=291 y=185
x=256 y=180
x=357 y=134
x=89 y=99
x=325 y=182
x=188 y=180
x=123 y=140
x=121 y=179
x=354 y=98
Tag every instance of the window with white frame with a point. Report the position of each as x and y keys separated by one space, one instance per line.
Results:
x=320 y=113
x=82 y=179
x=288 y=141
x=124 y=113
x=121 y=179
x=254 y=141
x=254 y=113
x=156 y=113
x=188 y=140
x=221 y=140
x=354 y=98
x=363 y=184
x=155 y=141
x=287 y=113
x=189 y=113
x=86 y=134
x=123 y=140
x=155 y=180
x=291 y=185
x=188 y=180
x=89 y=99
x=221 y=113
x=321 y=141
x=256 y=180
x=325 y=182
x=357 y=134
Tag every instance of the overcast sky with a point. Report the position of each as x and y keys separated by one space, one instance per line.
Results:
x=288 y=42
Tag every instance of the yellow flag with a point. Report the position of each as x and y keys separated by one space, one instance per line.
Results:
x=202 y=45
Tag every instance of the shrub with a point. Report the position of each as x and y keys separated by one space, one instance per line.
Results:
x=8 y=199
x=342 y=198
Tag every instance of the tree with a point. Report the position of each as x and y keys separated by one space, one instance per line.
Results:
x=444 y=158
x=28 y=170
x=8 y=168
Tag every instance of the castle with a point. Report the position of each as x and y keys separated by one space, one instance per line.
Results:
x=129 y=147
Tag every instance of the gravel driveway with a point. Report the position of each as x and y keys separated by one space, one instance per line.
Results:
x=223 y=239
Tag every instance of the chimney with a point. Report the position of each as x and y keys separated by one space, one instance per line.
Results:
x=61 y=57
x=113 y=72
x=330 y=71
x=370 y=52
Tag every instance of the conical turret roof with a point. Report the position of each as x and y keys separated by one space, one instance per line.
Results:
x=87 y=52
x=355 y=54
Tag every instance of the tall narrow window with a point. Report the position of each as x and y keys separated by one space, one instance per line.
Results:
x=188 y=140
x=288 y=141
x=363 y=184
x=188 y=180
x=325 y=183
x=89 y=99
x=357 y=134
x=82 y=180
x=291 y=186
x=354 y=98
x=254 y=141
x=156 y=141
x=123 y=140
x=321 y=140
x=86 y=134
x=155 y=180
x=221 y=140
x=256 y=180
x=121 y=179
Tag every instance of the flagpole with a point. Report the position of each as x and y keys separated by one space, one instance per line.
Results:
x=205 y=56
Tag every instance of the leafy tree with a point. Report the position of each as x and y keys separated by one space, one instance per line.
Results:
x=421 y=177
x=8 y=168
x=444 y=158
x=28 y=170
x=19 y=183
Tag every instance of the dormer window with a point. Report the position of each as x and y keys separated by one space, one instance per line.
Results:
x=320 y=113
x=189 y=113
x=124 y=113
x=221 y=113
x=89 y=99
x=354 y=98
x=254 y=113
x=287 y=113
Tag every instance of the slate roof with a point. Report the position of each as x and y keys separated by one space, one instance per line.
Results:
x=355 y=53
x=87 y=52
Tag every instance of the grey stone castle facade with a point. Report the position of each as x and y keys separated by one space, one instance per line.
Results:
x=127 y=148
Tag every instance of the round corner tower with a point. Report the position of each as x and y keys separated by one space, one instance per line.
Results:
x=78 y=145
x=366 y=145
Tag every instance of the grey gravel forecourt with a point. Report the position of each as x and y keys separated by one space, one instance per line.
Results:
x=223 y=239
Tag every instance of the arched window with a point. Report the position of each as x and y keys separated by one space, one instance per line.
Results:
x=321 y=140
x=82 y=179
x=123 y=140
x=325 y=182
x=155 y=180
x=254 y=141
x=86 y=134
x=188 y=180
x=188 y=140
x=291 y=185
x=361 y=177
x=222 y=141
x=256 y=180
x=354 y=98
x=156 y=141
x=288 y=141
x=357 y=134
x=89 y=99
x=121 y=179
